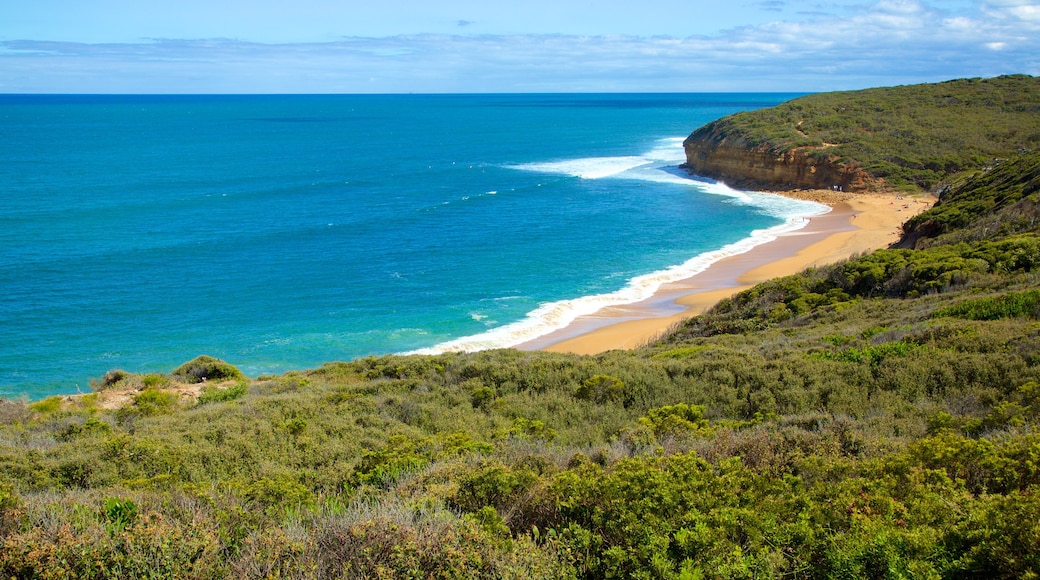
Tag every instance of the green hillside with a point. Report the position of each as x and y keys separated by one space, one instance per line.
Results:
x=873 y=419
x=917 y=135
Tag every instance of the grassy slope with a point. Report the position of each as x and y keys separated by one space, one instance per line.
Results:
x=917 y=135
x=875 y=418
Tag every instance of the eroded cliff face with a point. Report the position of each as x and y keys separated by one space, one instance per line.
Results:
x=713 y=152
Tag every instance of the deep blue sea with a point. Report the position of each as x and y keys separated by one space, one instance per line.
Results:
x=281 y=232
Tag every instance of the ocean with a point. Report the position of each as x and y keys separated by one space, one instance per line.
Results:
x=281 y=232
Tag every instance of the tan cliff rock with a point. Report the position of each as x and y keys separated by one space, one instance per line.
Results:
x=730 y=158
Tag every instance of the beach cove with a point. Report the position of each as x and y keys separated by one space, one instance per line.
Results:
x=526 y=226
x=856 y=224
x=282 y=232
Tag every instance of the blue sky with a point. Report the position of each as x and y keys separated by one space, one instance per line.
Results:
x=396 y=46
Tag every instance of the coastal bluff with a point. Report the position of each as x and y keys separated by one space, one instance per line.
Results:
x=719 y=152
x=913 y=137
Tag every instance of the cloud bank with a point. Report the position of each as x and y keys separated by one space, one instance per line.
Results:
x=890 y=42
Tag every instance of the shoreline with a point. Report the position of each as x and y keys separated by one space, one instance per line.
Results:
x=857 y=223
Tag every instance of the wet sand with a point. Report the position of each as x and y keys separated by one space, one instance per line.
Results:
x=857 y=224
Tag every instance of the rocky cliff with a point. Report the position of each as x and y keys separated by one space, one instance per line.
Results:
x=913 y=137
x=718 y=152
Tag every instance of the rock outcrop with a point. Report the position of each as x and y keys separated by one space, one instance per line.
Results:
x=715 y=152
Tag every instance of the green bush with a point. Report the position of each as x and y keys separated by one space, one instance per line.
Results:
x=677 y=421
x=113 y=379
x=212 y=394
x=400 y=456
x=482 y=397
x=528 y=429
x=207 y=368
x=11 y=508
x=47 y=406
x=155 y=402
x=492 y=485
x=1008 y=305
x=155 y=381
x=118 y=514
x=428 y=545
x=602 y=389
x=92 y=426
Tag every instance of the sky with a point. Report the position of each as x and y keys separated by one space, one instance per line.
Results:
x=487 y=46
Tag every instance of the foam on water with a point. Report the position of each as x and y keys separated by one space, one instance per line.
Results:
x=588 y=168
x=669 y=150
x=661 y=165
x=553 y=316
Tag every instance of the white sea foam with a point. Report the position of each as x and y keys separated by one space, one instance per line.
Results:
x=588 y=167
x=668 y=151
x=556 y=315
x=653 y=166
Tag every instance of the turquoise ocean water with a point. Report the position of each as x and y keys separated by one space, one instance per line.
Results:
x=281 y=232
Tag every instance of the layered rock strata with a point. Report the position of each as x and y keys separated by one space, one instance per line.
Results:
x=714 y=152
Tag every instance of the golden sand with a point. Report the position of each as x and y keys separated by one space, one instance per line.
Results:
x=857 y=224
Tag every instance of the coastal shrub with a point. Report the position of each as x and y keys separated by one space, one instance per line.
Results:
x=207 y=368
x=489 y=521
x=113 y=379
x=156 y=547
x=492 y=484
x=74 y=472
x=213 y=394
x=427 y=544
x=279 y=493
x=652 y=514
x=999 y=538
x=601 y=389
x=155 y=381
x=11 y=508
x=873 y=354
x=91 y=426
x=482 y=397
x=994 y=200
x=1008 y=305
x=155 y=402
x=13 y=412
x=400 y=456
x=679 y=353
x=118 y=514
x=527 y=430
x=396 y=367
x=47 y=406
x=676 y=421
x=885 y=273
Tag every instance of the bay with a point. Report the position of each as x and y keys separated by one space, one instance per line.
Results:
x=280 y=232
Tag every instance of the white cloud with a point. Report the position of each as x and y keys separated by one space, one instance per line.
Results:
x=1021 y=11
x=890 y=42
x=1028 y=13
x=958 y=23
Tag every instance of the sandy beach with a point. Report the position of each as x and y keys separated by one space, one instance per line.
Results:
x=856 y=224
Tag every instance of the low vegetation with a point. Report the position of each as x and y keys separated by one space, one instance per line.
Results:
x=873 y=419
x=918 y=136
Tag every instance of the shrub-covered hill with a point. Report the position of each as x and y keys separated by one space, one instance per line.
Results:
x=873 y=419
x=913 y=136
x=997 y=201
x=980 y=234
